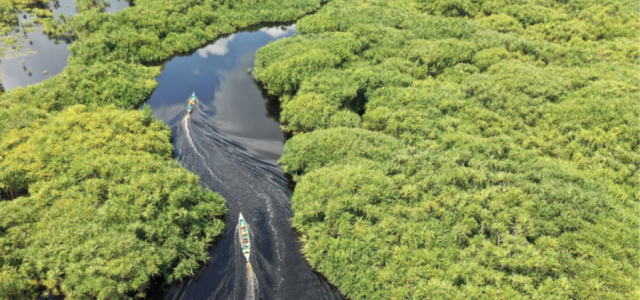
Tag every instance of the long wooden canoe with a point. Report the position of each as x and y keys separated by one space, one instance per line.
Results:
x=192 y=102
x=243 y=233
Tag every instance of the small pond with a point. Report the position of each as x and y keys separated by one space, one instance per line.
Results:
x=46 y=54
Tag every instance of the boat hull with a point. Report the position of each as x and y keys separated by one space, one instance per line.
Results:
x=192 y=103
x=243 y=235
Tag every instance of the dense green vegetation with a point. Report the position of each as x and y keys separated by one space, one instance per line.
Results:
x=12 y=10
x=110 y=60
x=19 y=17
x=443 y=149
x=464 y=149
x=92 y=204
x=13 y=30
x=104 y=209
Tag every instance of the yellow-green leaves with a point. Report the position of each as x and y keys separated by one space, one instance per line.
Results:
x=101 y=207
x=93 y=206
x=91 y=203
x=497 y=154
x=307 y=152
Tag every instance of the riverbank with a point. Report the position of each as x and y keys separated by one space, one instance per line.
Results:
x=461 y=150
x=75 y=155
x=464 y=149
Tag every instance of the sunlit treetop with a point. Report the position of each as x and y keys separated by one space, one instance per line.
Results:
x=464 y=149
x=92 y=197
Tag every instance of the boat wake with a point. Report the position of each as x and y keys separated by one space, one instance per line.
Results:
x=231 y=139
x=260 y=190
x=195 y=150
x=252 y=286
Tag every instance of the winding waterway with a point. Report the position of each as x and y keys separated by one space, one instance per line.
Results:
x=232 y=141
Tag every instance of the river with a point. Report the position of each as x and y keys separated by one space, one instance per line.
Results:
x=232 y=140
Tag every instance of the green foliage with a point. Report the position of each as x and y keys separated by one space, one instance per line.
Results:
x=501 y=23
x=336 y=146
x=104 y=207
x=92 y=203
x=497 y=155
x=154 y=30
x=109 y=57
x=98 y=5
x=14 y=25
x=59 y=28
x=10 y=10
x=124 y=85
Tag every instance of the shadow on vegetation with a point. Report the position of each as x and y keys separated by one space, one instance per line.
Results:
x=10 y=194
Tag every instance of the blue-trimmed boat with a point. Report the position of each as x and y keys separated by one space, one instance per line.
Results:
x=192 y=102
x=243 y=233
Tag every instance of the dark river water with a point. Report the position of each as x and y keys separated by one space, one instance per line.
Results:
x=47 y=54
x=232 y=141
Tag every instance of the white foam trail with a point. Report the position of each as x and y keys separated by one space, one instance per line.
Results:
x=204 y=162
x=274 y=230
x=236 y=282
x=252 y=283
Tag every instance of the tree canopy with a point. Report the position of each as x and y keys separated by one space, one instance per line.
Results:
x=92 y=204
x=464 y=149
x=115 y=57
x=442 y=149
x=98 y=207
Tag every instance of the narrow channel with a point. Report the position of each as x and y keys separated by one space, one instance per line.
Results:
x=233 y=143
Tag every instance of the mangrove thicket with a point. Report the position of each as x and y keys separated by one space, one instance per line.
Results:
x=92 y=204
x=464 y=149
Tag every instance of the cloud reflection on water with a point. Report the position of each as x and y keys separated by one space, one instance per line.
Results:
x=241 y=112
x=228 y=95
x=232 y=142
x=220 y=47
x=279 y=31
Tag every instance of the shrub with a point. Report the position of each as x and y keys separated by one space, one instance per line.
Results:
x=101 y=207
x=498 y=153
x=92 y=204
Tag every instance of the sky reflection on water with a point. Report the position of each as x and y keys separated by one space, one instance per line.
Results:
x=48 y=56
x=232 y=141
x=228 y=94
